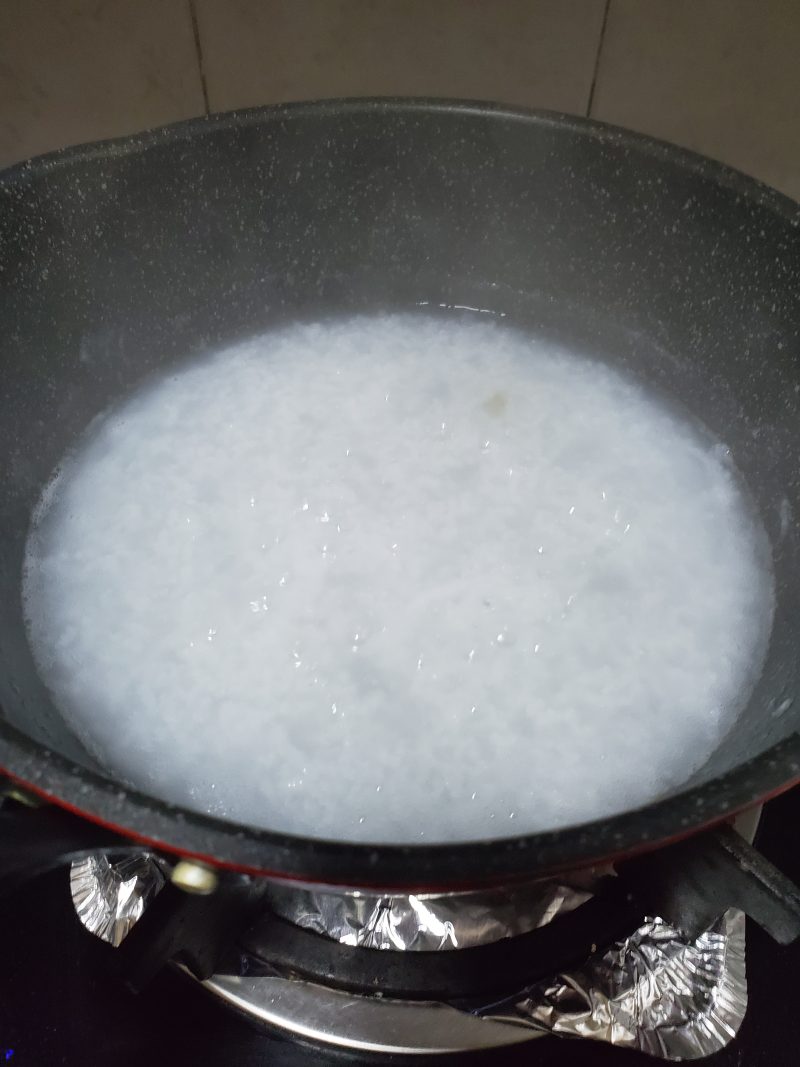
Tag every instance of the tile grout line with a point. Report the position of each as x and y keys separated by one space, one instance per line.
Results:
x=199 y=50
x=596 y=59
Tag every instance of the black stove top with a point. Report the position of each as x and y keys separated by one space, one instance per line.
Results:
x=59 y=1005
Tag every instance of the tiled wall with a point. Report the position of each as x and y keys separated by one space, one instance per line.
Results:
x=720 y=76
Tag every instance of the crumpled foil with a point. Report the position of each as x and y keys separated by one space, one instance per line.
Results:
x=111 y=897
x=657 y=991
x=429 y=922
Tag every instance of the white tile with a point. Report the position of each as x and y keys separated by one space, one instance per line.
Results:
x=73 y=70
x=719 y=76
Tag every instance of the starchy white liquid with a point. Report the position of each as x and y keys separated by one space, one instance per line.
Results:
x=398 y=578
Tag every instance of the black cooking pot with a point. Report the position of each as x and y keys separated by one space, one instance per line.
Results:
x=119 y=259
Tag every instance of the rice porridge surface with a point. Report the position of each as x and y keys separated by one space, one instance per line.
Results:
x=398 y=578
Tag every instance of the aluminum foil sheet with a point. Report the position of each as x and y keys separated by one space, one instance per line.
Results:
x=657 y=992
x=428 y=922
x=111 y=897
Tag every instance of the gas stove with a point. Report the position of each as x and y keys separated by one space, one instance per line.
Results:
x=62 y=1002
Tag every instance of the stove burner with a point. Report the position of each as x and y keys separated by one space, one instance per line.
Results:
x=674 y=987
x=656 y=992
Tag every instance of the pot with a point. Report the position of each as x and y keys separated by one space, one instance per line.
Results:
x=120 y=259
